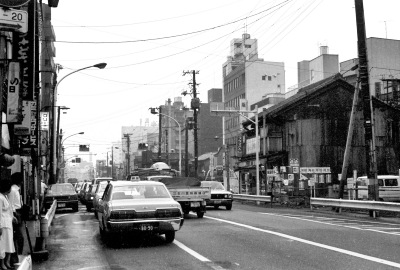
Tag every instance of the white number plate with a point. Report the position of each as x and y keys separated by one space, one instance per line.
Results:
x=61 y=205
x=146 y=227
x=217 y=202
x=194 y=204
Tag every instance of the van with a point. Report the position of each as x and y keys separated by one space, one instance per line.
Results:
x=389 y=188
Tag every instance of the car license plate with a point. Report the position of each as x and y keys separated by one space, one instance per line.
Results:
x=61 y=205
x=217 y=202
x=194 y=204
x=146 y=227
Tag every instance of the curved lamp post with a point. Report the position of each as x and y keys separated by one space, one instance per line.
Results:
x=54 y=134
x=180 y=144
x=62 y=149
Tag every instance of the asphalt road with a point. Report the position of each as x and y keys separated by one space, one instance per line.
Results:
x=248 y=237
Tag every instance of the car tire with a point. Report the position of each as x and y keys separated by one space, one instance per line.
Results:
x=88 y=208
x=229 y=207
x=75 y=208
x=200 y=214
x=95 y=214
x=170 y=236
x=216 y=206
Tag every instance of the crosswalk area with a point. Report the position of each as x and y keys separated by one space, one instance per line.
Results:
x=358 y=224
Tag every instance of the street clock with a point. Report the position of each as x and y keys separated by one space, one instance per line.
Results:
x=13 y=3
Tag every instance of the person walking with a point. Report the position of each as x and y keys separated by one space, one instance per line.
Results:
x=6 y=225
x=15 y=199
x=43 y=190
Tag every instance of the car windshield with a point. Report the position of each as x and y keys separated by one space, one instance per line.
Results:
x=213 y=185
x=62 y=188
x=93 y=188
x=102 y=187
x=139 y=192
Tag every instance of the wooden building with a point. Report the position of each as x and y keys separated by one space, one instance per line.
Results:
x=304 y=137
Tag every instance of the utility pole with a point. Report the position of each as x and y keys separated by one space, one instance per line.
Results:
x=186 y=148
x=128 y=155
x=195 y=105
x=365 y=95
x=159 y=133
x=166 y=147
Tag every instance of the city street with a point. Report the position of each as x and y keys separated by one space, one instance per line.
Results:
x=248 y=237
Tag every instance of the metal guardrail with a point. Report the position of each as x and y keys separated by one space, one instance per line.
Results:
x=245 y=197
x=45 y=222
x=356 y=204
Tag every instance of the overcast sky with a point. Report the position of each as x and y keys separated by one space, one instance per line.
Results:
x=148 y=44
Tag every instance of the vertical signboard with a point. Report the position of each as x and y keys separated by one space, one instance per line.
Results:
x=23 y=129
x=14 y=105
x=24 y=52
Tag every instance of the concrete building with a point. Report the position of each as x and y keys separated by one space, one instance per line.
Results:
x=383 y=65
x=311 y=71
x=246 y=80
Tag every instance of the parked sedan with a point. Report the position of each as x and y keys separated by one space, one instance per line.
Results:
x=98 y=193
x=89 y=196
x=143 y=207
x=219 y=195
x=64 y=194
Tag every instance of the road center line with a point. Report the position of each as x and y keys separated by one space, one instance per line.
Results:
x=347 y=252
x=191 y=252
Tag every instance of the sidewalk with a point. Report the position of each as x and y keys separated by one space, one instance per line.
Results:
x=26 y=260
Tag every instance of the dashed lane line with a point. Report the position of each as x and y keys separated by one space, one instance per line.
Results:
x=340 y=250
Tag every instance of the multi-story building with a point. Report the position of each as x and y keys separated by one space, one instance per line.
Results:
x=311 y=71
x=247 y=78
x=383 y=66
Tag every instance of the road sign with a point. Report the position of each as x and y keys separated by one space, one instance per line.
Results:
x=13 y=20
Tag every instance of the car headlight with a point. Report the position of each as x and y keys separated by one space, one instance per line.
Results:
x=91 y=198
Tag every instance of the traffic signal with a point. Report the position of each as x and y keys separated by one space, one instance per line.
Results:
x=83 y=148
x=143 y=146
x=190 y=123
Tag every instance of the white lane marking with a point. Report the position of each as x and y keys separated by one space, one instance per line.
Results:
x=315 y=221
x=346 y=225
x=314 y=217
x=191 y=252
x=340 y=250
x=385 y=228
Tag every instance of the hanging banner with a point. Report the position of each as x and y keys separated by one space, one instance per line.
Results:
x=24 y=128
x=14 y=104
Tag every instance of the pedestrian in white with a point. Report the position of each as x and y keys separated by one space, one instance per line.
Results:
x=6 y=225
x=16 y=201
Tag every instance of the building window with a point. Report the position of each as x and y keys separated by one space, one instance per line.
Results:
x=269 y=78
x=247 y=46
x=263 y=77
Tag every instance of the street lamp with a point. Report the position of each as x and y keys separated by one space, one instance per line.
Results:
x=62 y=148
x=257 y=138
x=112 y=160
x=153 y=111
x=54 y=133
